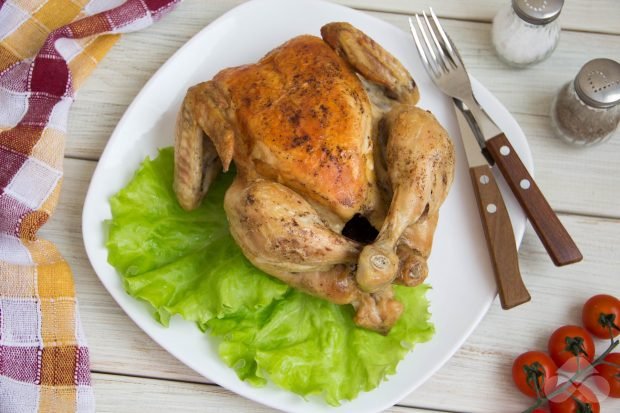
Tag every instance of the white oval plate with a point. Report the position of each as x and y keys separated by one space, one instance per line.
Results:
x=460 y=271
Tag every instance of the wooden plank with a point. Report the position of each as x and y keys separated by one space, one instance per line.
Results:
x=120 y=394
x=582 y=15
x=103 y=98
x=111 y=93
x=118 y=346
x=485 y=361
x=526 y=93
x=592 y=174
x=114 y=339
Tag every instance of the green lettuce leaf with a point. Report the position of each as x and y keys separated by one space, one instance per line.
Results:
x=182 y=262
x=187 y=263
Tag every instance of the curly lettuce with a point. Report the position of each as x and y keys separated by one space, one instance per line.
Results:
x=187 y=264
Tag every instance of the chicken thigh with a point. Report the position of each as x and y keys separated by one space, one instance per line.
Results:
x=321 y=130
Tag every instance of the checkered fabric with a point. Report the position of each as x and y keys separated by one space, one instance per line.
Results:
x=47 y=49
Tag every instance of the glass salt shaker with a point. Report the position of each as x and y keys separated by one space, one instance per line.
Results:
x=586 y=111
x=527 y=31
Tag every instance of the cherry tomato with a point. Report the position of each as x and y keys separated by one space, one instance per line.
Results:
x=571 y=347
x=601 y=315
x=575 y=400
x=531 y=368
x=611 y=374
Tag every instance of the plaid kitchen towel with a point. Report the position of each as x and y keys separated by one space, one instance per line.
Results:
x=47 y=49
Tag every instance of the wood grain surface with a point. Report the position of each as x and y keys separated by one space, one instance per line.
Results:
x=600 y=16
x=134 y=374
x=526 y=93
x=163 y=396
x=119 y=347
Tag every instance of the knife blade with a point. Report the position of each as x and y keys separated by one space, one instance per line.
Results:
x=496 y=223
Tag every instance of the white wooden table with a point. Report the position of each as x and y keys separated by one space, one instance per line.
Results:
x=133 y=374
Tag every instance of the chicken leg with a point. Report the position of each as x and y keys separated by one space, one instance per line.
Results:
x=282 y=234
x=420 y=159
x=413 y=249
x=279 y=230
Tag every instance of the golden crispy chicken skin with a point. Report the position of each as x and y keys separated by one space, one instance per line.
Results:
x=320 y=130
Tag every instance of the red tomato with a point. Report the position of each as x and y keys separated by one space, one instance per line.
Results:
x=571 y=347
x=601 y=316
x=539 y=410
x=531 y=368
x=611 y=374
x=575 y=400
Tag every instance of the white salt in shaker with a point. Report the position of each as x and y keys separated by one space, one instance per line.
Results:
x=586 y=111
x=527 y=31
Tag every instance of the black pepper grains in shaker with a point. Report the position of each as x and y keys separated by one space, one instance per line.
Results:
x=586 y=111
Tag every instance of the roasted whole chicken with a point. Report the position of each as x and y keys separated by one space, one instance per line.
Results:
x=321 y=131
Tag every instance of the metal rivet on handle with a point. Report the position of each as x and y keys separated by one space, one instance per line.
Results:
x=484 y=179
x=504 y=150
x=525 y=183
x=491 y=208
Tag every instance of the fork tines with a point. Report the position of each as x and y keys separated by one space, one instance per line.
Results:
x=440 y=54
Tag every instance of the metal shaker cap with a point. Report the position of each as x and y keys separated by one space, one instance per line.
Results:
x=598 y=83
x=538 y=11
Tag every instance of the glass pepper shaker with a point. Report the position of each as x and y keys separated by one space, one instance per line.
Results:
x=586 y=111
x=527 y=31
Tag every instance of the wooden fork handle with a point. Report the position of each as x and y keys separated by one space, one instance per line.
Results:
x=558 y=243
x=500 y=238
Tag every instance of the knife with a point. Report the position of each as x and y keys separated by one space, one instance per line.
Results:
x=498 y=150
x=445 y=67
x=494 y=216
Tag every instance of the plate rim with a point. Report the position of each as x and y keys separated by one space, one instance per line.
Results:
x=107 y=152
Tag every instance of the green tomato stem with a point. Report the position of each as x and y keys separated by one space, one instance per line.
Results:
x=577 y=377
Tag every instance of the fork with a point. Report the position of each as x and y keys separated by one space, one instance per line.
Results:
x=446 y=68
x=444 y=65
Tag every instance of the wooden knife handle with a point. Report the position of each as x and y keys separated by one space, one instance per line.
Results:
x=558 y=243
x=500 y=238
